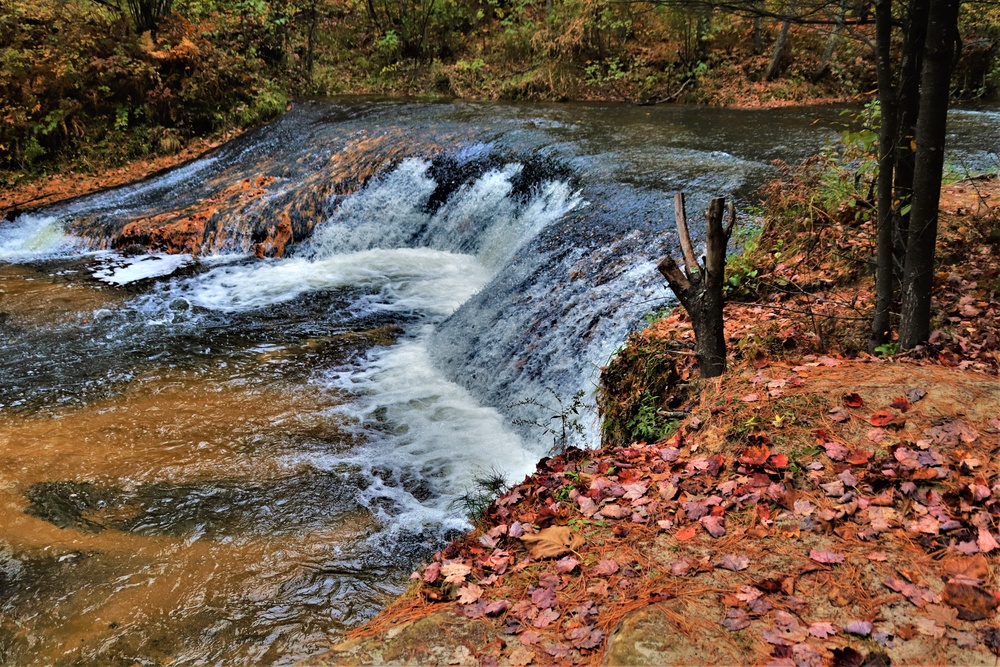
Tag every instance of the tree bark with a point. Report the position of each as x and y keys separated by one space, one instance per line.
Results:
x=831 y=44
x=887 y=135
x=699 y=288
x=774 y=67
x=908 y=88
x=935 y=88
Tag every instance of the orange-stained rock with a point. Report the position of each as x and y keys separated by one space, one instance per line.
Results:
x=277 y=238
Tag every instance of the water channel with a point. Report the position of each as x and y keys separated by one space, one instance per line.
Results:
x=233 y=449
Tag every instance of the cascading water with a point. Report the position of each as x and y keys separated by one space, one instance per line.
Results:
x=231 y=448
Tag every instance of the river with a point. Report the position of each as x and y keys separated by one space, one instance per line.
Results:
x=233 y=449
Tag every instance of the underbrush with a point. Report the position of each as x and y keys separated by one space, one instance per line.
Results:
x=79 y=87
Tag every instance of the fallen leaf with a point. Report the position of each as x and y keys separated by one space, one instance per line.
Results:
x=748 y=593
x=455 y=572
x=822 y=629
x=835 y=451
x=853 y=400
x=736 y=619
x=964 y=639
x=585 y=637
x=900 y=403
x=751 y=398
x=432 y=572
x=755 y=456
x=714 y=525
x=826 y=556
x=839 y=414
x=520 y=657
x=942 y=614
x=927 y=626
x=686 y=533
x=859 y=628
x=975 y=567
x=972 y=602
x=529 y=637
x=734 y=562
x=614 y=511
x=875 y=435
x=566 y=565
x=915 y=394
x=469 y=593
x=881 y=418
x=497 y=607
x=680 y=568
x=546 y=618
x=543 y=597
x=985 y=540
x=838 y=597
x=606 y=567
x=635 y=490
x=552 y=542
x=859 y=457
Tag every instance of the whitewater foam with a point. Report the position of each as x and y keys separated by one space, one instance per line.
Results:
x=30 y=237
x=423 y=430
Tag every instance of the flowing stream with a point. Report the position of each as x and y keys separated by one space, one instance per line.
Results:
x=233 y=448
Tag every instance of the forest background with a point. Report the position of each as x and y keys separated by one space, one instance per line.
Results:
x=90 y=84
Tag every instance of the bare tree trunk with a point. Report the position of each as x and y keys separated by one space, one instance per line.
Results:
x=774 y=67
x=831 y=44
x=909 y=108
x=935 y=89
x=699 y=288
x=757 y=37
x=886 y=163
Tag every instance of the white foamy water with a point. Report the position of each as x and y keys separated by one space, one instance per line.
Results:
x=124 y=270
x=427 y=281
x=427 y=431
x=32 y=237
x=480 y=218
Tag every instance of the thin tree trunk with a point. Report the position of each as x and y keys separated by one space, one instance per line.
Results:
x=757 y=37
x=909 y=108
x=886 y=160
x=935 y=88
x=831 y=44
x=774 y=67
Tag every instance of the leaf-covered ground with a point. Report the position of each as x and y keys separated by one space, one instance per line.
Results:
x=816 y=506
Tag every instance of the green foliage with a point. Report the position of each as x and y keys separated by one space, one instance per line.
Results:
x=741 y=266
x=486 y=487
x=886 y=350
x=636 y=385
x=647 y=424
x=851 y=165
x=77 y=84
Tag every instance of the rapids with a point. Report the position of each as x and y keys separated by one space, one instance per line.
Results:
x=242 y=399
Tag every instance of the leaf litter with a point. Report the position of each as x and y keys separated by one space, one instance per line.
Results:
x=822 y=542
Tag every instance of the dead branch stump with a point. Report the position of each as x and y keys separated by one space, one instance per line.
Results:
x=699 y=286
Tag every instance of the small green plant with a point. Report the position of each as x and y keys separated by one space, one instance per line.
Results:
x=741 y=270
x=886 y=350
x=653 y=316
x=487 y=486
x=647 y=424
